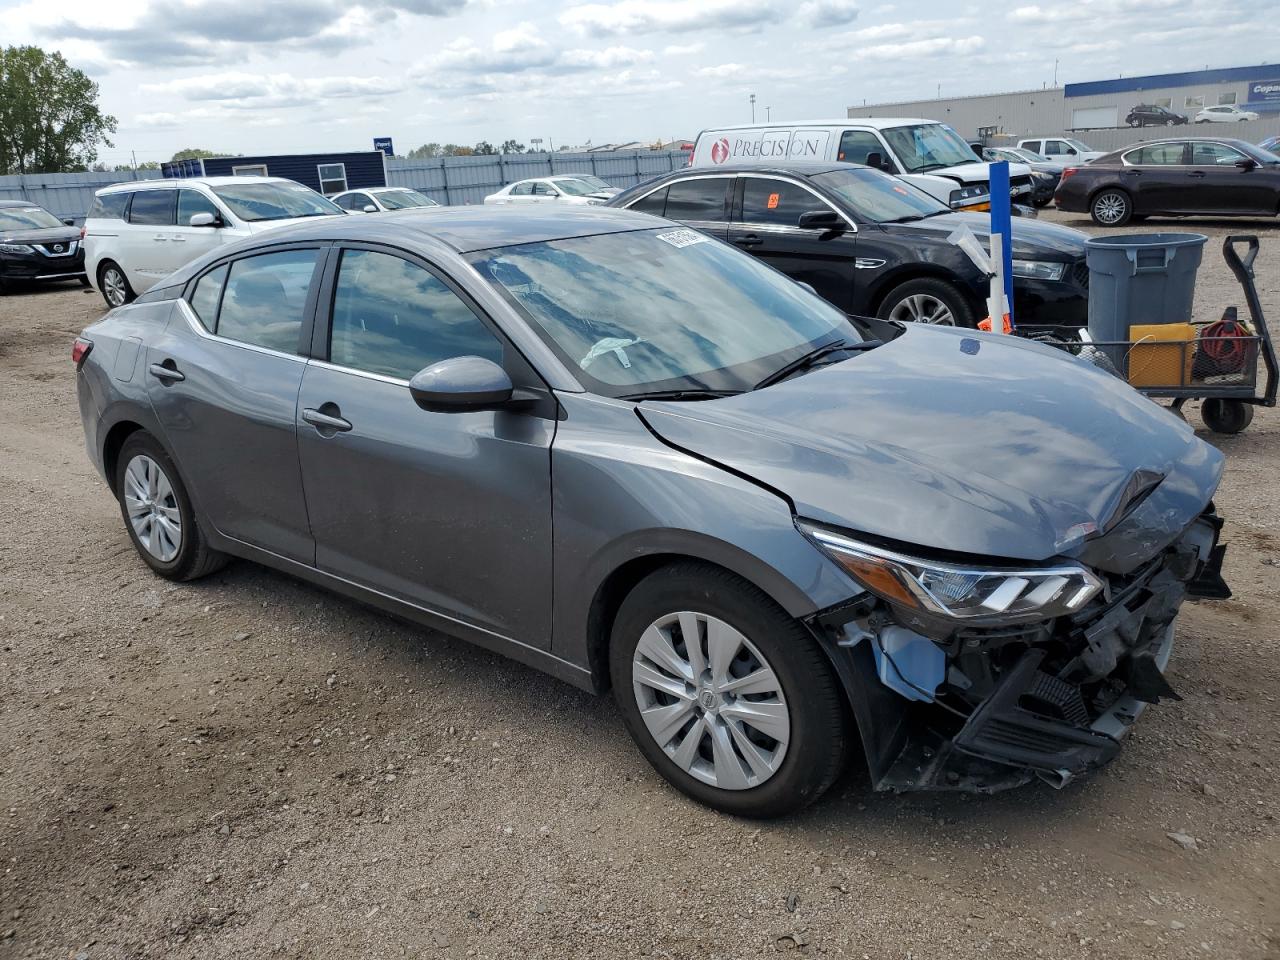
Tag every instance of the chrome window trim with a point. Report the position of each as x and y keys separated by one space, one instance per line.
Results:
x=1124 y=157
x=367 y=374
x=200 y=330
x=700 y=175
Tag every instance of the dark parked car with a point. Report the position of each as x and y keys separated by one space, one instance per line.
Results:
x=1045 y=174
x=870 y=243
x=36 y=246
x=1150 y=115
x=1270 y=144
x=614 y=449
x=1174 y=178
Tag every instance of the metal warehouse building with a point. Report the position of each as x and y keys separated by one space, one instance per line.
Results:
x=1100 y=104
x=326 y=173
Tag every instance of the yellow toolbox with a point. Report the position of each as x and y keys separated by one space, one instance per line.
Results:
x=1160 y=354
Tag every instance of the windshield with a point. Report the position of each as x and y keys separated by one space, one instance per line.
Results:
x=875 y=197
x=1081 y=147
x=595 y=182
x=1017 y=153
x=274 y=201
x=928 y=146
x=402 y=199
x=27 y=218
x=666 y=309
x=574 y=188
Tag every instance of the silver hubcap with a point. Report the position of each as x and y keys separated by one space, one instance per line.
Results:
x=1109 y=207
x=152 y=508
x=922 y=308
x=711 y=701
x=113 y=284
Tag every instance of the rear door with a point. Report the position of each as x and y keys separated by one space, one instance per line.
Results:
x=765 y=225
x=1156 y=177
x=448 y=511
x=223 y=379
x=1219 y=186
x=520 y=193
x=699 y=202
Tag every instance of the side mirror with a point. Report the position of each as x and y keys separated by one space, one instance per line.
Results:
x=370 y=208
x=876 y=160
x=69 y=221
x=205 y=220
x=820 y=220
x=460 y=384
x=1246 y=163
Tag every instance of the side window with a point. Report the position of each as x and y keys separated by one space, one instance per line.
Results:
x=393 y=317
x=545 y=190
x=654 y=203
x=1033 y=146
x=264 y=299
x=1054 y=148
x=110 y=206
x=361 y=200
x=191 y=202
x=700 y=199
x=153 y=208
x=205 y=297
x=857 y=145
x=522 y=190
x=1213 y=154
x=776 y=202
x=1158 y=154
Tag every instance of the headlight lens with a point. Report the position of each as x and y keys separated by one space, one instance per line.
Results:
x=15 y=248
x=959 y=592
x=971 y=194
x=1039 y=269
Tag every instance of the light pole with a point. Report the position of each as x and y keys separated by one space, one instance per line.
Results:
x=768 y=116
x=752 y=98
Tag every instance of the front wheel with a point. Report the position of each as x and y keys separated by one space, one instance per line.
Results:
x=927 y=300
x=1111 y=208
x=726 y=695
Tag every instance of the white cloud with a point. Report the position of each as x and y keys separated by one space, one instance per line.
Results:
x=828 y=13
x=918 y=49
x=683 y=49
x=672 y=16
x=251 y=91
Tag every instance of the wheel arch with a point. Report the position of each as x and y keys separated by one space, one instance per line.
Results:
x=919 y=271
x=1110 y=185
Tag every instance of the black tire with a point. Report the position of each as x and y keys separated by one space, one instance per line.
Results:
x=929 y=287
x=106 y=267
x=194 y=558
x=1226 y=416
x=815 y=753
x=1042 y=202
x=1115 y=205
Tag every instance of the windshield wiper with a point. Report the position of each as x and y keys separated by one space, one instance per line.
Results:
x=812 y=357
x=929 y=166
x=908 y=218
x=692 y=394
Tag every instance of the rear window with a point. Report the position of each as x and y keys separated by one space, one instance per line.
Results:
x=153 y=208
x=109 y=206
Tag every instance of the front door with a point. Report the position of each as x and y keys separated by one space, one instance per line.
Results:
x=1219 y=186
x=767 y=226
x=448 y=511
x=187 y=243
x=223 y=379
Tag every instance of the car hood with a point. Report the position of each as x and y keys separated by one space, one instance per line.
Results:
x=1031 y=238
x=41 y=235
x=962 y=442
x=978 y=172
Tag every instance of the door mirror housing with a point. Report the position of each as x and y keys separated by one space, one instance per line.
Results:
x=460 y=384
x=205 y=219
x=820 y=220
x=876 y=161
x=1246 y=163
x=370 y=208
x=69 y=221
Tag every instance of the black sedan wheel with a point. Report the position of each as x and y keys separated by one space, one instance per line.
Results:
x=1111 y=208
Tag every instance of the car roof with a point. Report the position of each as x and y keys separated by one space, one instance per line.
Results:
x=878 y=123
x=796 y=168
x=8 y=204
x=156 y=183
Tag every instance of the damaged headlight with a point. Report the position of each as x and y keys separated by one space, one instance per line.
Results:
x=961 y=592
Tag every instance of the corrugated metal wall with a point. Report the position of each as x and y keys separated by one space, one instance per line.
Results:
x=450 y=180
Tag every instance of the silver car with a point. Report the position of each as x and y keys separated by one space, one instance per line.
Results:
x=634 y=457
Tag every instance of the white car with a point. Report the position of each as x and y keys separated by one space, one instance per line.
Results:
x=138 y=232
x=547 y=190
x=1067 y=149
x=381 y=199
x=1227 y=113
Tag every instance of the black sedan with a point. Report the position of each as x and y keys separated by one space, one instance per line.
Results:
x=1151 y=115
x=871 y=244
x=1187 y=177
x=36 y=246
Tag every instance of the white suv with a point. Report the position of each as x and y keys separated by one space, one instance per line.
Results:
x=1227 y=113
x=139 y=232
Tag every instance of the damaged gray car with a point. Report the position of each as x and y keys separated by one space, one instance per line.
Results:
x=634 y=457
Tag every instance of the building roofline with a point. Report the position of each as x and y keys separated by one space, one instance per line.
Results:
x=967 y=96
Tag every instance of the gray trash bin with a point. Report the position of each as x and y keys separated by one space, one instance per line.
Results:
x=1139 y=279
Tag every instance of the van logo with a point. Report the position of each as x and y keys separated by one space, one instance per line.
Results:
x=720 y=150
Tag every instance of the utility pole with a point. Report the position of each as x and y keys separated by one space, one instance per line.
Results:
x=1055 y=71
x=768 y=114
x=752 y=98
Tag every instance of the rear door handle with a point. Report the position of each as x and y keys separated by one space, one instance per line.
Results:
x=166 y=372
x=748 y=240
x=326 y=421
x=1198 y=174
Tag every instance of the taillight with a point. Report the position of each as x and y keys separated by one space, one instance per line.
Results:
x=79 y=350
x=1069 y=172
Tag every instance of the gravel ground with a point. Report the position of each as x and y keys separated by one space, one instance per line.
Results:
x=249 y=767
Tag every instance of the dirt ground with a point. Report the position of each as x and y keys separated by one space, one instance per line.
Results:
x=248 y=767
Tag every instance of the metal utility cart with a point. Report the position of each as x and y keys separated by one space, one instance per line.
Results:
x=1217 y=363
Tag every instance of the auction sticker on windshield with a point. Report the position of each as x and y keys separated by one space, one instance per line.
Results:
x=683 y=238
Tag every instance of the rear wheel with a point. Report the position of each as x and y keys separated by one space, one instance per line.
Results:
x=725 y=694
x=1111 y=208
x=927 y=300
x=158 y=513
x=114 y=285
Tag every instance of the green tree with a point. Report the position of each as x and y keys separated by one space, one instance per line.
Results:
x=426 y=152
x=196 y=153
x=484 y=149
x=453 y=150
x=511 y=146
x=50 y=121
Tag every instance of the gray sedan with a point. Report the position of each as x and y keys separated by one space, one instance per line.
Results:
x=635 y=457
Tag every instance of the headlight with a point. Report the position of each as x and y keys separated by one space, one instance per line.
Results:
x=1039 y=269
x=959 y=592
x=15 y=248
x=1040 y=175
x=967 y=195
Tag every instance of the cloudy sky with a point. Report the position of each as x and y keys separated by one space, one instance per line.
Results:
x=294 y=75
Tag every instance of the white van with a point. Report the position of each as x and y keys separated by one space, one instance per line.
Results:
x=138 y=232
x=928 y=154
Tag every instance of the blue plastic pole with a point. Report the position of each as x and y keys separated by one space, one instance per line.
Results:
x=1002 y=223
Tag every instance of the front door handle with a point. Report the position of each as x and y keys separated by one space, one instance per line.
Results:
x=166 y=371
x=329 y=423
x=160 y=238
x=748 y=240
